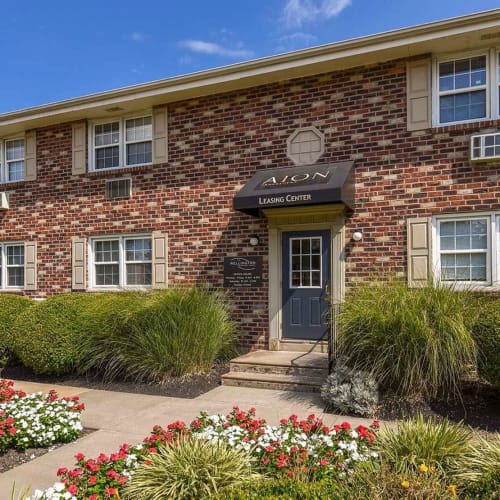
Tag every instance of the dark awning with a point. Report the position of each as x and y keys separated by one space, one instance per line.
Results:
x=292 y=186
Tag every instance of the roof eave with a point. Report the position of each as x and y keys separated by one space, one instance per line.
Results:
x=382 y=46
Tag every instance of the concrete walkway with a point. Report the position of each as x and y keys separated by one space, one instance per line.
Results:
x=128 y=418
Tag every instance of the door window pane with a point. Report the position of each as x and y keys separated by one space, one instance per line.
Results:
x=305 y=262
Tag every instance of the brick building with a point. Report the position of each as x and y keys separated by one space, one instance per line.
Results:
x=283 y=178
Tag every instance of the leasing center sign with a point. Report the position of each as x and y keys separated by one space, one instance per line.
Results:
x=319 y=175
x=303 y=185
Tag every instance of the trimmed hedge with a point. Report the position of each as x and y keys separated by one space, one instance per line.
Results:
x=11 y=306
x=44 y=336
x=486 y=333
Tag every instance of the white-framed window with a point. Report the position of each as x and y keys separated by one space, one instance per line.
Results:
x=121 y=142
x=12 y=160
x=11 y=266
x=467 y=248
x=121 y=261
x=466 y=87
x=305 y=262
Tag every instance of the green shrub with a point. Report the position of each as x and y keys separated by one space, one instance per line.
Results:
x=279 y=489
x=192 y=468
x=486 y=333
x=167 y=333
x=11 y=306
x=387 y=484
x=45 y=335
x=414 y=341
x=487 y=486
x=432 y=442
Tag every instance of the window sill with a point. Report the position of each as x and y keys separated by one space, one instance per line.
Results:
x=466 y=126
x=12 y=184
x=120 y=289
x=12 y=290
x=106 y=172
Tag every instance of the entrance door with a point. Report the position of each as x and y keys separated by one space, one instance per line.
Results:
x=305 y=274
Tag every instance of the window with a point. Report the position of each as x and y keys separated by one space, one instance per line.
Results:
x=305 y=259
x=11 y=265
x=467 y=89
x=468 y=249
x=12 y=160
x=121 y=262
x=121 y=143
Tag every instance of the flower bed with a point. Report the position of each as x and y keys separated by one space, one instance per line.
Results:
x=294 y=448
x=36 y=420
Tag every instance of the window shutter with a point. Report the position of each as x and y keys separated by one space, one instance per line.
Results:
x=79 y=160
x=419 y=90
x=78 y=262
x=30 y=156
x=160 y=135
x=160 y=260
x=30 y=265
x=419 y=251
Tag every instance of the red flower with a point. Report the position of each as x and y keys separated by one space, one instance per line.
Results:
x=92 y=480
x=73 y=489
x=79 y=456
x=62 y=470
x=94 y=496
x=376 y=424
x=323 y=462
x=345 y=425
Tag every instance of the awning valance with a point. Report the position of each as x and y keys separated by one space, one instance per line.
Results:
x=292 y=186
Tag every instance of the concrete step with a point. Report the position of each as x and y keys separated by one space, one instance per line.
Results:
x=236 y=366
x=283 y=382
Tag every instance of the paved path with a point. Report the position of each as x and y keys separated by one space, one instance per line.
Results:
x=127 y=418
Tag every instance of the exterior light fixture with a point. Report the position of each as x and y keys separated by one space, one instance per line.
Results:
x=254 y=240
x=357 y=236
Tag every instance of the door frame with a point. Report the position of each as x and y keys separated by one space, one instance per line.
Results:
x=280 y=220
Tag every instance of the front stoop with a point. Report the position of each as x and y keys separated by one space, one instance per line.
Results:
x=282 y=370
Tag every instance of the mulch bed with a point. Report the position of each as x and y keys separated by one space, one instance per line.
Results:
x=479 y=407
x=13 y=458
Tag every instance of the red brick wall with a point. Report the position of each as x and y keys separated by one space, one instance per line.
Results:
x=215 y=145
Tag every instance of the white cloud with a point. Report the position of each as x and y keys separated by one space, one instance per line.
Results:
x=293 y=41
x=214 y=49
x=298 y=12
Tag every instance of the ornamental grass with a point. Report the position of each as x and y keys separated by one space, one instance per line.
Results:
x=150 y=337
x=415 y=341
x=436 y=443
x=191 y=468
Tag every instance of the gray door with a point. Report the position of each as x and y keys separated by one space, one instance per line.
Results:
x=305 y=274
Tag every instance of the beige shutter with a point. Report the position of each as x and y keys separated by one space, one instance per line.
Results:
x=160 y=260
x=78 y=263
x=79 y=159
x=419 y=251
x=419 y=90
x=160 y=135
x=30 y=265
x=30 y=156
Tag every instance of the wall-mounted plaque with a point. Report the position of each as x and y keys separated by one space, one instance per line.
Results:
x=243 y=271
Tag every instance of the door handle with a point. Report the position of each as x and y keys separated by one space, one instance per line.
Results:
x=327 y=288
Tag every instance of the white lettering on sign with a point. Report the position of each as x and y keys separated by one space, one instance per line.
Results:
x=296 y=179
x=278 y=200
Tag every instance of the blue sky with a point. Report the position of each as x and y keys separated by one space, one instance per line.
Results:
x=58 y=49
